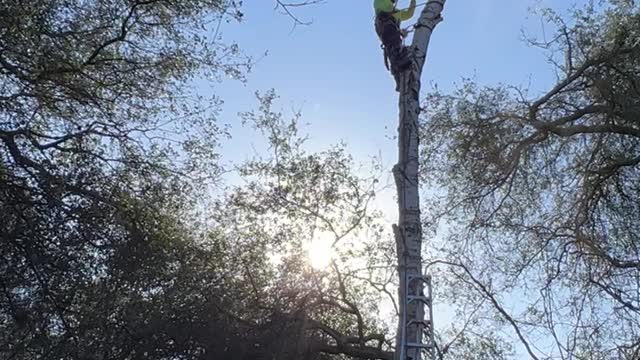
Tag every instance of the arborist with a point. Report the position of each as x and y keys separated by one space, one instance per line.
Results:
x=388 y=20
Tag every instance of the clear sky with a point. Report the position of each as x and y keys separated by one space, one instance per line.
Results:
x=333 y=70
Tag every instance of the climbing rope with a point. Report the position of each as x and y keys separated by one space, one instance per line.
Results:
x=411 y=28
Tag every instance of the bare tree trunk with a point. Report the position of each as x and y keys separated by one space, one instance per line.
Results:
x=408 y=231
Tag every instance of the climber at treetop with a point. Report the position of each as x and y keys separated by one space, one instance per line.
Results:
x=388 y=20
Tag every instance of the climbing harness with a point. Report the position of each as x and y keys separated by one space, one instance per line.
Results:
x=392 y=37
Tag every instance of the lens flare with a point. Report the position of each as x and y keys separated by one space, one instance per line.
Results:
x=320 y=253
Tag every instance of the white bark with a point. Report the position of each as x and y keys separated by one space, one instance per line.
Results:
x=408 y=231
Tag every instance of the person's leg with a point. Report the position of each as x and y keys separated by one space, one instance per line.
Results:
x=392 y=40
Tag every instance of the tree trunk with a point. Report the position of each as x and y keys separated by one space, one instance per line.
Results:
x=408 y=231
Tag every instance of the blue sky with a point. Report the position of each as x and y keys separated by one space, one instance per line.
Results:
x=333 y=71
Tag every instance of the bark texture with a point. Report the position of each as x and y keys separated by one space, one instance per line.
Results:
x=408 y=231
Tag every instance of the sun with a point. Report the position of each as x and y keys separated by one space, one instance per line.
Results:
x=319 y=252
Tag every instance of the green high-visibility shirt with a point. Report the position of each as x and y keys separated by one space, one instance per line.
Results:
x=381 y=6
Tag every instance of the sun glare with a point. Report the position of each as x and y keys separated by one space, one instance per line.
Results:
x=320 y=253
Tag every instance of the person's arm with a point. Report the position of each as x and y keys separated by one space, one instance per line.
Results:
x=407 y=13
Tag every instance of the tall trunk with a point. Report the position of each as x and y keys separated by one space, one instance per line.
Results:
x=408 y=231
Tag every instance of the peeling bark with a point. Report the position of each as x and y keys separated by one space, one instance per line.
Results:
x=408 y=231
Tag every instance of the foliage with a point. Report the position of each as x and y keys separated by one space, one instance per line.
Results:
x=541 y=198
x=110 y=248
x=104 y=149
x=291 y=198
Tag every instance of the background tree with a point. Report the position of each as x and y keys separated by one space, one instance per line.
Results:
x=105 y=150
x=540 y=197
x=92 y=95
x=290 y=198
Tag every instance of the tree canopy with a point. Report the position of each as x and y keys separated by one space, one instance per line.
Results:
x=540 y=191
x=121 y=238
